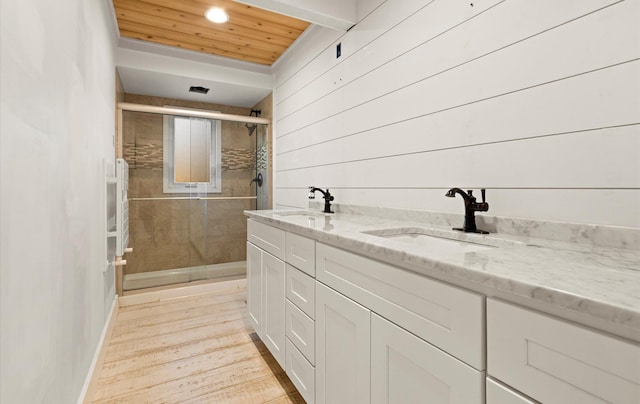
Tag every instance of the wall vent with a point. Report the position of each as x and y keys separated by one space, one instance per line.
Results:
x=198 y=89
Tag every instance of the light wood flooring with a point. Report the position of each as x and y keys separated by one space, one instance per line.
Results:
x=196 y=349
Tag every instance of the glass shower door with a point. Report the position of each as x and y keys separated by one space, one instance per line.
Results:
x=187 y=197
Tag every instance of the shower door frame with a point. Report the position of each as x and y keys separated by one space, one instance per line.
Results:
x=126 y=106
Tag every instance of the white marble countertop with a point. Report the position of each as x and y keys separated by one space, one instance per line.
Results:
x=591 y=285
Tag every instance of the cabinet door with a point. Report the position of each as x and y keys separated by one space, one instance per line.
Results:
x=273 y=321
x=254 y=287
x=342 y=349
x=406 y=369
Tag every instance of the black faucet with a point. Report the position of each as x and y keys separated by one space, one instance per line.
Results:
x=470 y=207
x=325 y=194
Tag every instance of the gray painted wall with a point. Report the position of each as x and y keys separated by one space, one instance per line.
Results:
x=57 y=113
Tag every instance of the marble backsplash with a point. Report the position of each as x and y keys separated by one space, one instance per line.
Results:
x=627 y=238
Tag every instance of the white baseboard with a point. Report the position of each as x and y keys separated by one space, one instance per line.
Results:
x=93 y=376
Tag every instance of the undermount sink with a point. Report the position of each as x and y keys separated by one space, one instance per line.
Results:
x=304 y=213
x=442 y=240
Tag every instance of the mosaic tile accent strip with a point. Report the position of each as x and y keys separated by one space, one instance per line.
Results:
x=262 y=157
x=238 y=159
x=147 y=155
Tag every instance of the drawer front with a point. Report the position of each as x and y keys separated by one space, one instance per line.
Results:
x=301 y=373
x=268 y=238
x=300 y=330
x=499 y=394
x=554 y=361
x=301 y=290
x=301 y=253
x=448 y=317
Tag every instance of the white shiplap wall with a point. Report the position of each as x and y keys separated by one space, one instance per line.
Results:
x=537 y=101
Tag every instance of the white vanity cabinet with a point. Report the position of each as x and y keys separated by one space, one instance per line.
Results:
x=362 y=331
x=392 y=305
x=554 y=361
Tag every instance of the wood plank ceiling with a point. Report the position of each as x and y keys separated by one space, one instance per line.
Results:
x=251 y=34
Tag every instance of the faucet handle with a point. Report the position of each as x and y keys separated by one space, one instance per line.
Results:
x=484 y=193
x=471 y=197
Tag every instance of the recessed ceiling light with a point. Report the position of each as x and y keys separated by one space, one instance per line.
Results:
x=217 y=15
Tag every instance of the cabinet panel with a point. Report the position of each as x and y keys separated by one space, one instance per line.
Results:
x=301 y=331
x=448 y=317
x=301 y=290
x=301 y=373
x=406 y=369
x=273 y=321
x=554 y=361
x=301 y=253
x=499 y=394
x=342 y=349
x=268 y=238
x=254 y=287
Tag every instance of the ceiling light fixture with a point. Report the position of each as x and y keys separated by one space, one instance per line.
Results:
x=217 y=15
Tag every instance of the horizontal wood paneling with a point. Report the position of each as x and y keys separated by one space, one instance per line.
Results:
x=427 y=85
x=519 y=166
x=524 y=98
x=387 y=34
x=251 y=34
x=565 y=100
x=442 y=28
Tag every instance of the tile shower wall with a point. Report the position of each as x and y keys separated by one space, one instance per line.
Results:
x=535 y=101
x=170 y=234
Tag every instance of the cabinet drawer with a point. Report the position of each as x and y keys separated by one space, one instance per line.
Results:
x=301 y=373
x=499 y=394
x=301 y=290
x=554 y=361
x=301 y=253
x=268 y=238
x=446 y=316
x=300 y=330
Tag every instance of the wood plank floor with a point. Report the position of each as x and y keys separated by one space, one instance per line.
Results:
x=196 y=349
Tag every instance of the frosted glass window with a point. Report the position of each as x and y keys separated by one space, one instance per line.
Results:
x=191 y=155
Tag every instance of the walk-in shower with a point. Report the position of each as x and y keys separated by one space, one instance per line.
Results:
x=191 y=175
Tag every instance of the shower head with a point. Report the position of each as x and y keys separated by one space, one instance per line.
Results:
x=252 y=128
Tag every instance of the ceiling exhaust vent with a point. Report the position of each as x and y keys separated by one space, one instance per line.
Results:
x=198 y=89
